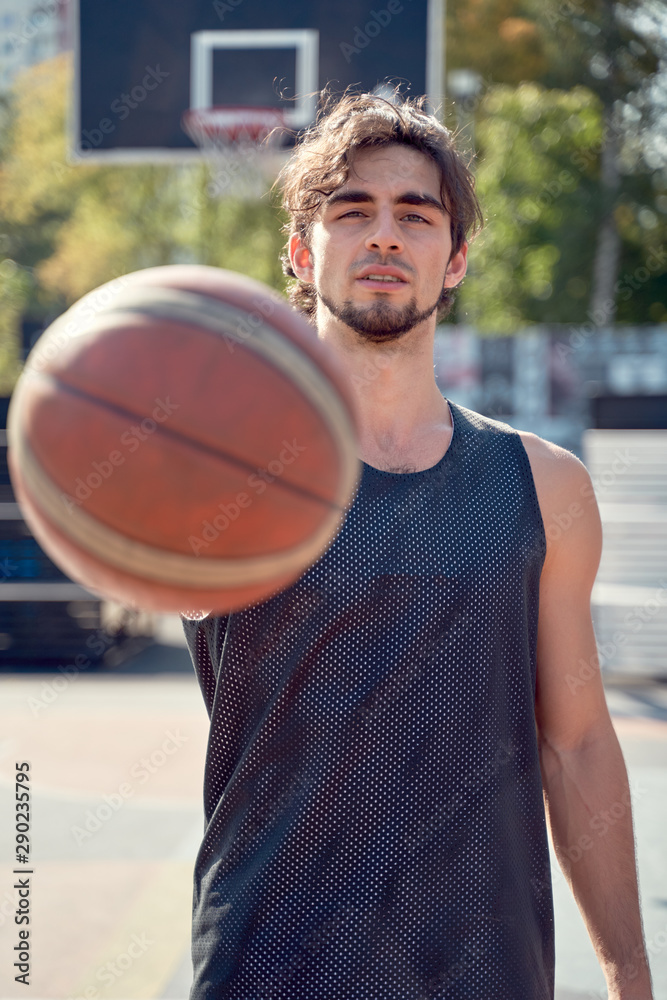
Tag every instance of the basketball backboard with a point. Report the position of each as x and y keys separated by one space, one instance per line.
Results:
x=141 y=64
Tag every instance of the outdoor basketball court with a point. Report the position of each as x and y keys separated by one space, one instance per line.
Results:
x=119 y=761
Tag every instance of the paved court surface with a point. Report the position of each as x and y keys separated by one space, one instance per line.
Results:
x=117 y=763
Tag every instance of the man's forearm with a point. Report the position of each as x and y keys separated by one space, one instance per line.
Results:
x=588 y=806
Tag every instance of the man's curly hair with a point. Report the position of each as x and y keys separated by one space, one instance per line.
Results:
x=321 y=162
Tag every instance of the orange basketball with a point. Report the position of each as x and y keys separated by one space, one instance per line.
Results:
x=181 y=439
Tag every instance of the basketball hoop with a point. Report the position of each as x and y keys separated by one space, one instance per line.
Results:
x=236 y=140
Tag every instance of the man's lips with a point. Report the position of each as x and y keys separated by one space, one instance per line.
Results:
x=383 y=278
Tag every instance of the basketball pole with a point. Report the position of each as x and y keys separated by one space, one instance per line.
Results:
x=437 y=57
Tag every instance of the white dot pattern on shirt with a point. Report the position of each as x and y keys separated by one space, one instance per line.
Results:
x=375 y=822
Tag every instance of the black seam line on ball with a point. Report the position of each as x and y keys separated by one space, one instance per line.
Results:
x=201 y=446
x=220 y=319
x=213 y=319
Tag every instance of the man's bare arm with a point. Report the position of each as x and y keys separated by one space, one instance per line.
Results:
x=583 y=772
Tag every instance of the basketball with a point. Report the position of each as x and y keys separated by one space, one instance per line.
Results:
x=181 y=439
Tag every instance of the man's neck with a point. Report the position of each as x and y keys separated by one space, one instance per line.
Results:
x=404 y=420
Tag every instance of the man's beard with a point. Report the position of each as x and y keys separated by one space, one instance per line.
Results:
x=379 y=322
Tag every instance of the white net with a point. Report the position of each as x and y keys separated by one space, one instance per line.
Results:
x=239 y=144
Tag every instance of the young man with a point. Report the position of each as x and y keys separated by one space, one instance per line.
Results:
x=385 y=732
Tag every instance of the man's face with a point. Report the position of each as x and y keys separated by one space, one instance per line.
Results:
x=379 y=253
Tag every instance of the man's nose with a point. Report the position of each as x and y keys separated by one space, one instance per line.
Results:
x=384 y=235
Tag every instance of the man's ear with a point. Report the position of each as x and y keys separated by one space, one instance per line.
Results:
x=456 y=268
x=300 y=258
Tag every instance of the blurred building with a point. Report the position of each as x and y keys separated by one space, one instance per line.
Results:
x=559 y=381
x=31 y=31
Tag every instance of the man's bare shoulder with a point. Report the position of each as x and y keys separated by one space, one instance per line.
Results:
x=564 y=490
x=555 y=467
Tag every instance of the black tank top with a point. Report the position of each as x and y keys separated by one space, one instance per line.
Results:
x=375 y=826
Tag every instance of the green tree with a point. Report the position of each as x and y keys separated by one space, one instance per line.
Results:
x=538 y=179
x=618 y=52
x=13 y=296
x=539 y=190
x=502 y=40
x=614 y=47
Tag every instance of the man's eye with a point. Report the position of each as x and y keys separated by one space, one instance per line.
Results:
x=414 y=217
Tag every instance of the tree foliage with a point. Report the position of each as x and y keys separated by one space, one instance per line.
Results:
x=13 y=295
x=501 y=40
x=538 y=179
x=610 y=214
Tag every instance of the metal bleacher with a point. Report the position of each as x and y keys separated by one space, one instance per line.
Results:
x=629 y=472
